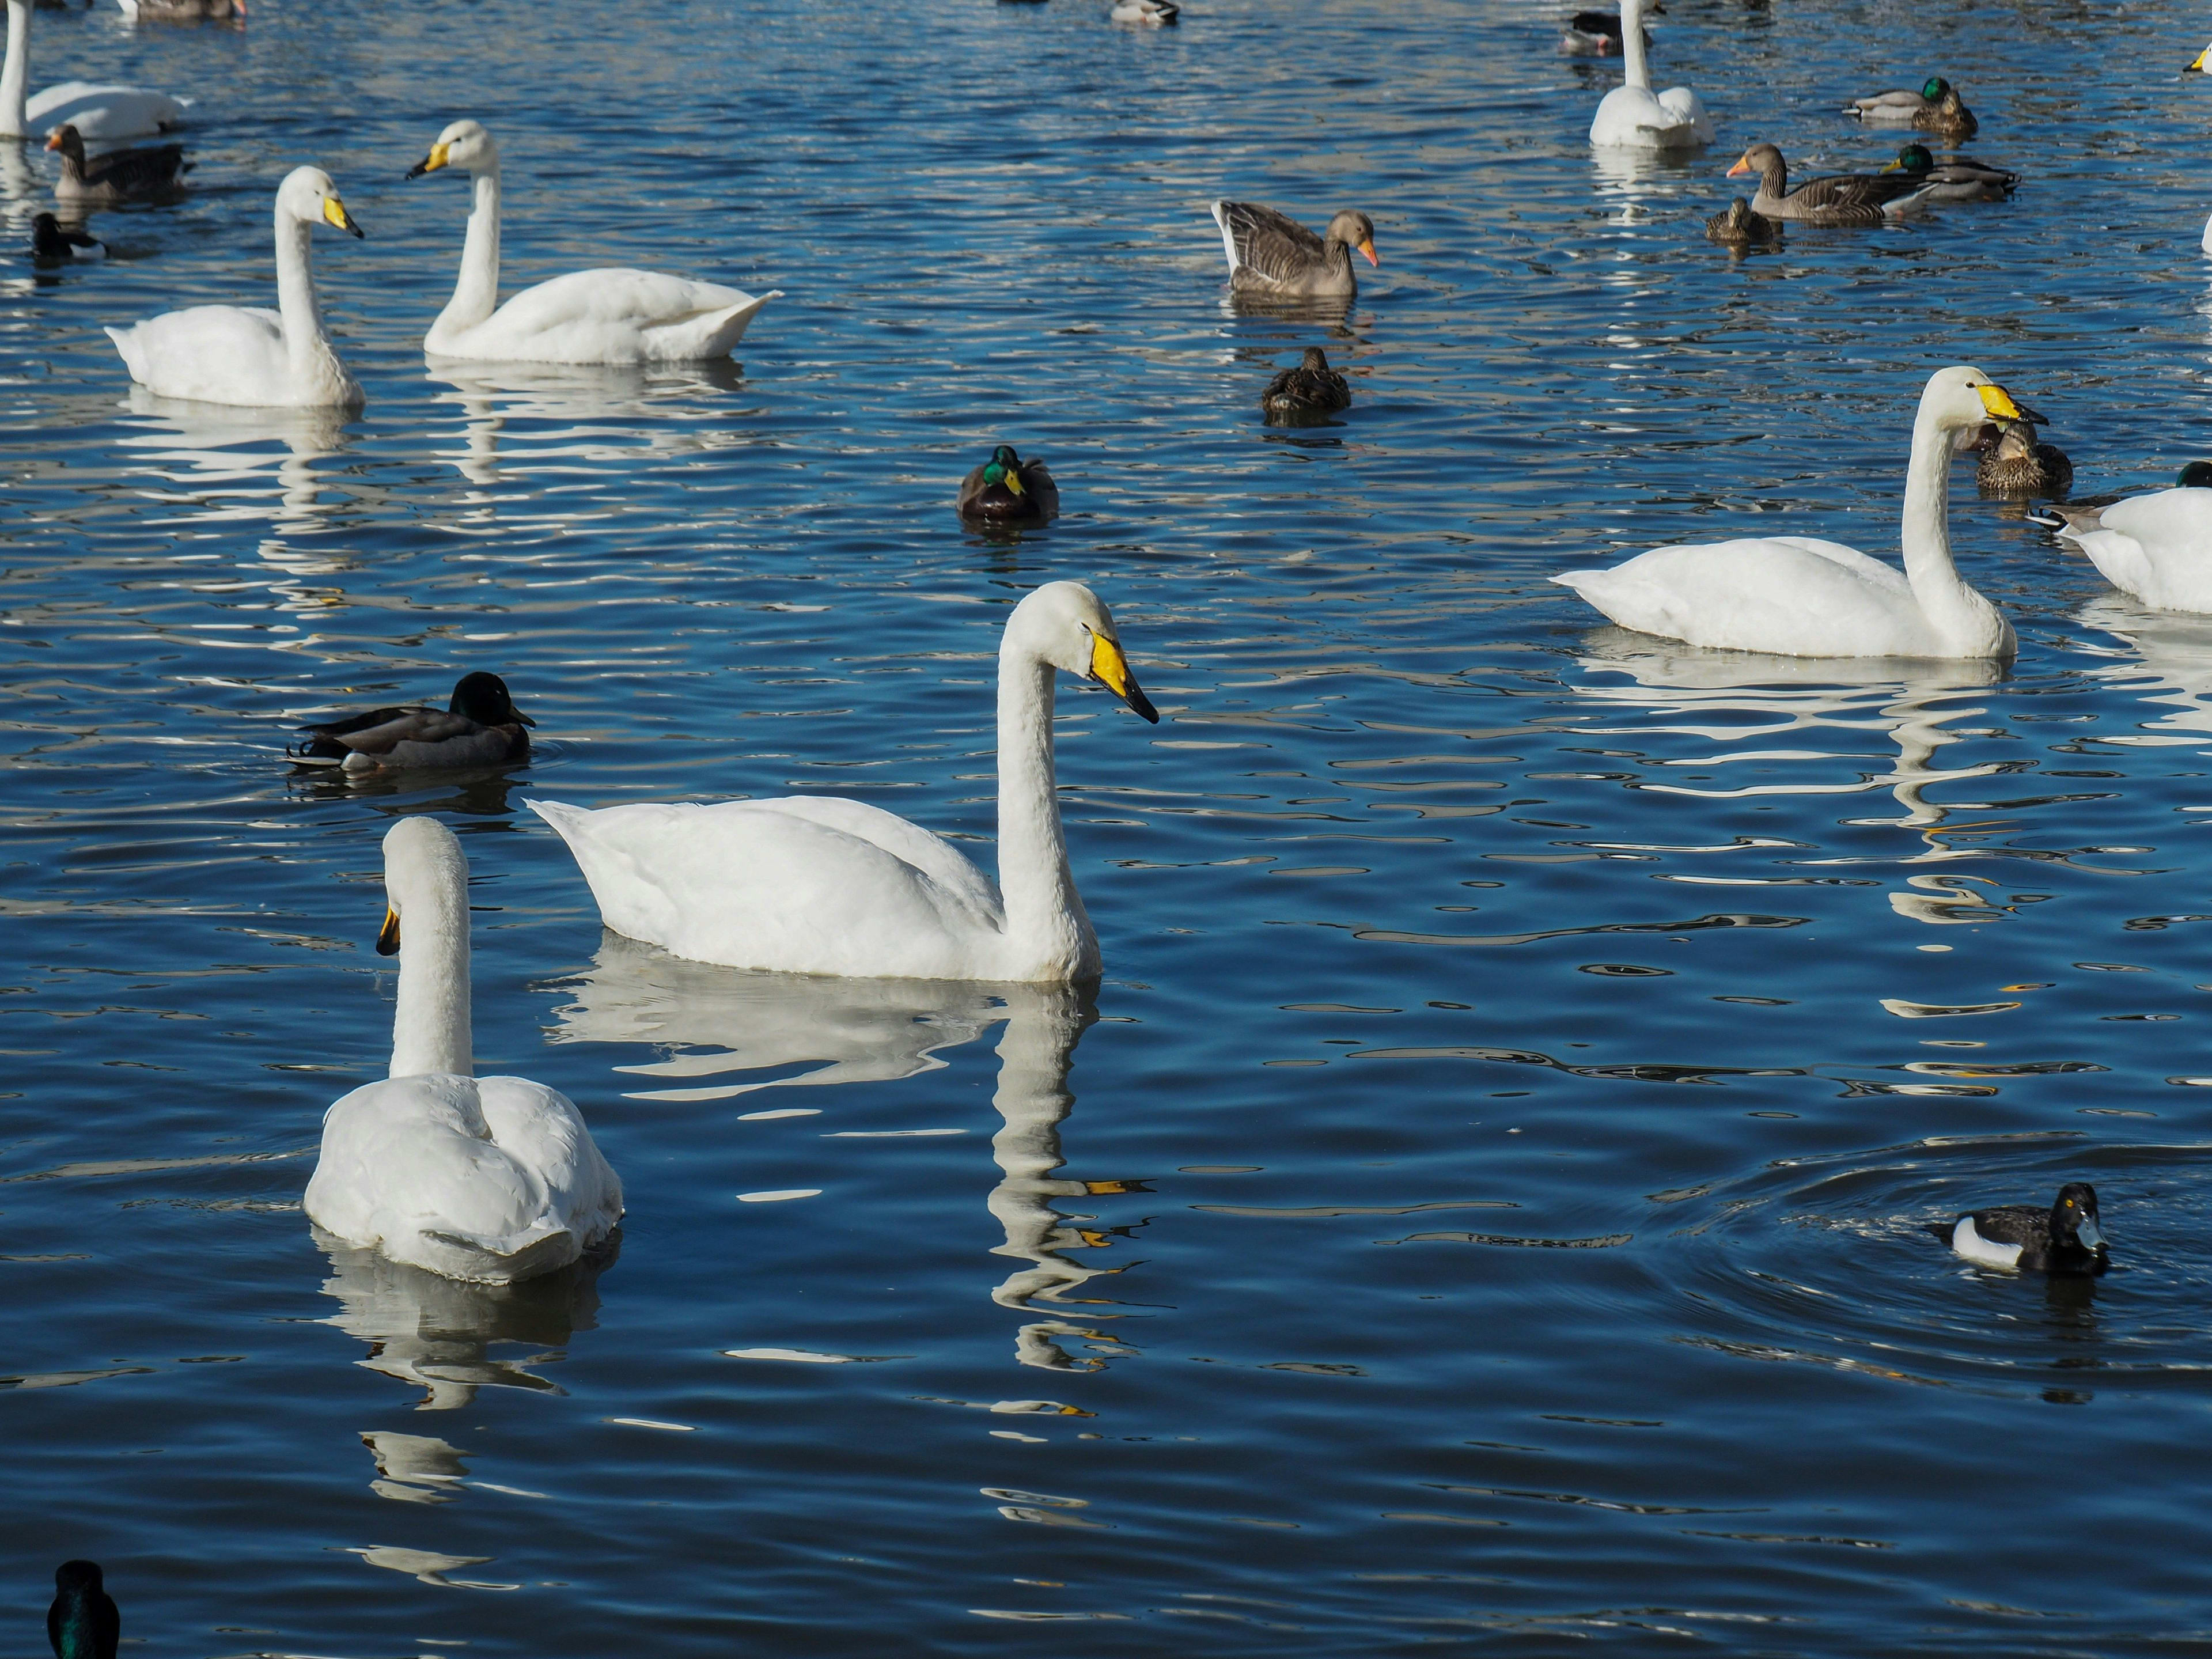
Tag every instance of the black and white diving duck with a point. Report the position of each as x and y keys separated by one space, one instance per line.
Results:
x=1306 y=392
x=1936 y=108
x=1272 y=254
x=1737 y=226
x=81 y=1623
x=1840 y=198
x=481 y=726
x=52 y=244
x=2022 y=1238
x=1953 y=178
x=1597 y=33
x=1146 y=14
x=2014 y=464
x=151 y=172
x=1007 y=490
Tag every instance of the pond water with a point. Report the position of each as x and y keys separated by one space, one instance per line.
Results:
x=1484 y=1204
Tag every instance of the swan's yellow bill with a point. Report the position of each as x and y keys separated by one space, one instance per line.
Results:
x=2199 y=63
x=1111 y=669
x=1999 y=403
x=334 y=212
x=435 y=160
x=387 y=937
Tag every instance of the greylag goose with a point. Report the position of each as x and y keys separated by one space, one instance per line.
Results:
x=1738 y=227
x=1271 y=253
x=1936 y=108
x=481 y=726
x=2014 y=464
x=51 y=245
x=1955 y=177
x=1307 y=392
x=1596 y=34
x=1841 y=199
x=1007 y=490
x=1151 y=14
x=122 y=175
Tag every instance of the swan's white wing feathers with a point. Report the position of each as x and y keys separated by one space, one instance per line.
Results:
x=209 y=353
x=1633 y=117
x=2157 y=547
x=611 y=316
x=101 y=114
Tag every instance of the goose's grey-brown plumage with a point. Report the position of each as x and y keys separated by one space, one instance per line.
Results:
x=1007 y=490
x=1307 y=392
x=1737 y=226
x=1271 y=253
x=481 y=726
x=121 y=175
x=1936 y=108
x=2014 y=464
x=1954 y=178
x=1841 y=199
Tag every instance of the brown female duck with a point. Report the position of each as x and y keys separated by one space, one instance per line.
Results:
x=1306 y=392
x=1738 y=227
x=2014 y=464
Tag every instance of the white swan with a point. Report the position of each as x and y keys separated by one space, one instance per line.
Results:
x=265 y=358
x=610 y=316
x=1796 y=596
x=492 y=1179
x=1632 y=115
x=813 y=885
x=100 y=114
x=2157 y=547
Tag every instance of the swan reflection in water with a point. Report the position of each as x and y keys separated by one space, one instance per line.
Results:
x=533 y=419
x=2161 y=657
x=807 y=1031
x=1745 y=707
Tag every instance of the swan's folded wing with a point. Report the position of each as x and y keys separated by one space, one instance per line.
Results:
x=1768 y=594
x=2170 y=524
x=206 y=352
x=930 y=853
x=542 y=1130
x=1274 y=245
x=1864 y=565
x=101 y=114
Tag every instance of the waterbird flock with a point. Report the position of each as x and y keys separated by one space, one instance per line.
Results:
x=496 y=1179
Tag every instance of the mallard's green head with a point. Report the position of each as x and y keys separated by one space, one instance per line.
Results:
x=1006 y=468
x=2197 y=475
x=81 y=1622
x=1913 y=158
x=1935 y=87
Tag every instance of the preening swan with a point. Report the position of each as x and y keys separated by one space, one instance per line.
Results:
x=493 y=1179
x=1794 y=596
x=267 y=359
x=1632 y=115
x=2157 y=547
x=103 y=114
x=610 y=316
x=813 y=885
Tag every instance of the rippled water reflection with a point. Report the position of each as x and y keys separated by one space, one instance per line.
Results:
x=1485 y=1203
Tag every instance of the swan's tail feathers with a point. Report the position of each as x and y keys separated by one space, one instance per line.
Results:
x=721 y=328
x=543 y=1249
x=128 y=348
x=1575 y=578
x=564 y=818
x=1228 y=235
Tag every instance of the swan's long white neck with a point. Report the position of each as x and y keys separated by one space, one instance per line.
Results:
x=430 y=1029
x=475 y=295
x=1046 y=924
x=15 y=74
x=1635 y=72
x=1968 y=624
x=305 y=344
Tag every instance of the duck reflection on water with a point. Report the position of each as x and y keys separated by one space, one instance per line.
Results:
x=812 y=1031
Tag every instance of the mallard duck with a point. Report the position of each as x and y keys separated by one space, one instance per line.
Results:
x=492 y=1179
x=2026 y=1238
x=103 y=114
x=1795 y=596
x=238 y=355
x=1936 y=108
x=51 y=244
x=121 y=175
x=1307 y=392
x=1840 y=198
x=1738 y=227
x=1270 y=254
x=1151 y=14
x=1633 y=117
x=1955 y=177
x=481 y=726
x=1597 y=33
x=2014 y=464
x=814 y=884
x=2157 y=547
x=1007 y=490
x=81 y=1623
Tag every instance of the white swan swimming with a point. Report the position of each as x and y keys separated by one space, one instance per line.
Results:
x=610 y=316
x=1794 y=596
x=492 y=1179
x=2157 y=547
x=1632 y=116
x=813 y=885
x=100 y=114
x=265 y=359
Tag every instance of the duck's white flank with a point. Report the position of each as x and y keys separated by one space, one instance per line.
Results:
x=1982 y=1252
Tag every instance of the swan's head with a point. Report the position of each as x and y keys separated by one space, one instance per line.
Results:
x=1354 y=229
x=1761 y=159
x=465 y=145
x=1962 y=397
x=484 y=699
x=2202 y=63
x=1065 y=624
x=308 y=196
x=426 y=883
